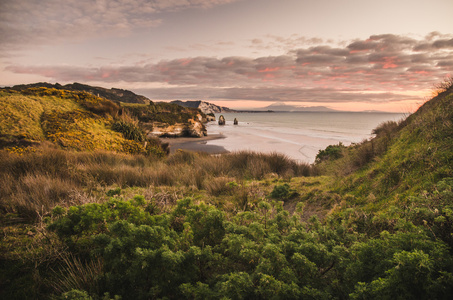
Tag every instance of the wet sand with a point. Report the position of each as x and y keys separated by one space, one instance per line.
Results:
x=195 y=144
x=295 y=145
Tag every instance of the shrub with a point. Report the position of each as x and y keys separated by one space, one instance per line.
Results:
x=130 y=131
x=332 y=152
x=113 y=192
x=283 y=192
x=75 y=295
x=386 y=128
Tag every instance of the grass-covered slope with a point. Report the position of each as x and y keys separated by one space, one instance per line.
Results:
x=404 y=158
x=113 y=94
x=69 y=120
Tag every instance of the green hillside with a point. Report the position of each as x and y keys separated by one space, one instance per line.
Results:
x=77 y=120
x=404 y=159
x=111 y=94
x=370 y=221
x=69 y=120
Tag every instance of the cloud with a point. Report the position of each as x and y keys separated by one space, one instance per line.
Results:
x=380 y=68
x=274 y=42
x=32 y=22
x=274 y=94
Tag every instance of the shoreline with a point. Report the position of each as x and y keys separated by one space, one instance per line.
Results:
x=195 y=144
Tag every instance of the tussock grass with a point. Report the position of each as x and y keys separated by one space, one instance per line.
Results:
x=77 y=274
x=34 y=183
x=217 y=186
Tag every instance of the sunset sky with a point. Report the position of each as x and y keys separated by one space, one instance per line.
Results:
x=343 y=54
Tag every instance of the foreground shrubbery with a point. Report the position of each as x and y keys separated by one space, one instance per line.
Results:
x=196 y=251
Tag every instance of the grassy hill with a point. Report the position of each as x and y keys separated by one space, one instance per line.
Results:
x=111 y=94
x=70 y=120
x=404 y=159
x=370 y=221
x=78 y=120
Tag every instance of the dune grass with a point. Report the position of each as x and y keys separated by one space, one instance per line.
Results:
x=36 y=182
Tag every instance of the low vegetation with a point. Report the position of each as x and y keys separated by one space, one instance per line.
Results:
x=368 y=221
x=167 y=113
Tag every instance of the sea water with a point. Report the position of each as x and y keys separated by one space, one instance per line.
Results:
x=299 y=135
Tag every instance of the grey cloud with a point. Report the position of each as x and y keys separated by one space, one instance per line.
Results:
x=330 y=51
x=319 y=59
x=383 y=42
x=443 y=43
x=30 y=22
x=257 y=41
x=419 y=58
x=437 y=44
x=446 y=62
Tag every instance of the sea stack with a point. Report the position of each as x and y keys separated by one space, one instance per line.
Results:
x=235 y=121
x=221 y=120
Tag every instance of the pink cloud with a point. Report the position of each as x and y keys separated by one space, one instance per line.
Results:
x=269 y=70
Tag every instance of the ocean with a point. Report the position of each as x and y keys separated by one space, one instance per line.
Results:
x=299 y=135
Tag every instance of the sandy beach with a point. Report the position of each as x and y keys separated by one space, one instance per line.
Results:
x=299 y=147
x=195 y=144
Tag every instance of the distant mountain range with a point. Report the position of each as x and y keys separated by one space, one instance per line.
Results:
x=279 y=106
x=111 y=94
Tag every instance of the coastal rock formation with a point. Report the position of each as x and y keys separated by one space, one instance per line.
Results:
x=210 y=117
x=205 y=107
x=193 y=128
x=221 y=120
x=235 y=122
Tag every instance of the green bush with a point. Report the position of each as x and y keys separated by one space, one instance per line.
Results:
x=130 y=131
x=331 y=152
x=283 y=192
x=113 y=192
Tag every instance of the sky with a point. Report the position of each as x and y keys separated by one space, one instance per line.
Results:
x=343 y=54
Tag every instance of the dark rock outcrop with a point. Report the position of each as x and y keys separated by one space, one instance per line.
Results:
x=221 y=120
x=210 y=117
x=235 y=121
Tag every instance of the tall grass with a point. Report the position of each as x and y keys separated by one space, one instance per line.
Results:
x=77 y=274
x=36 y=182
